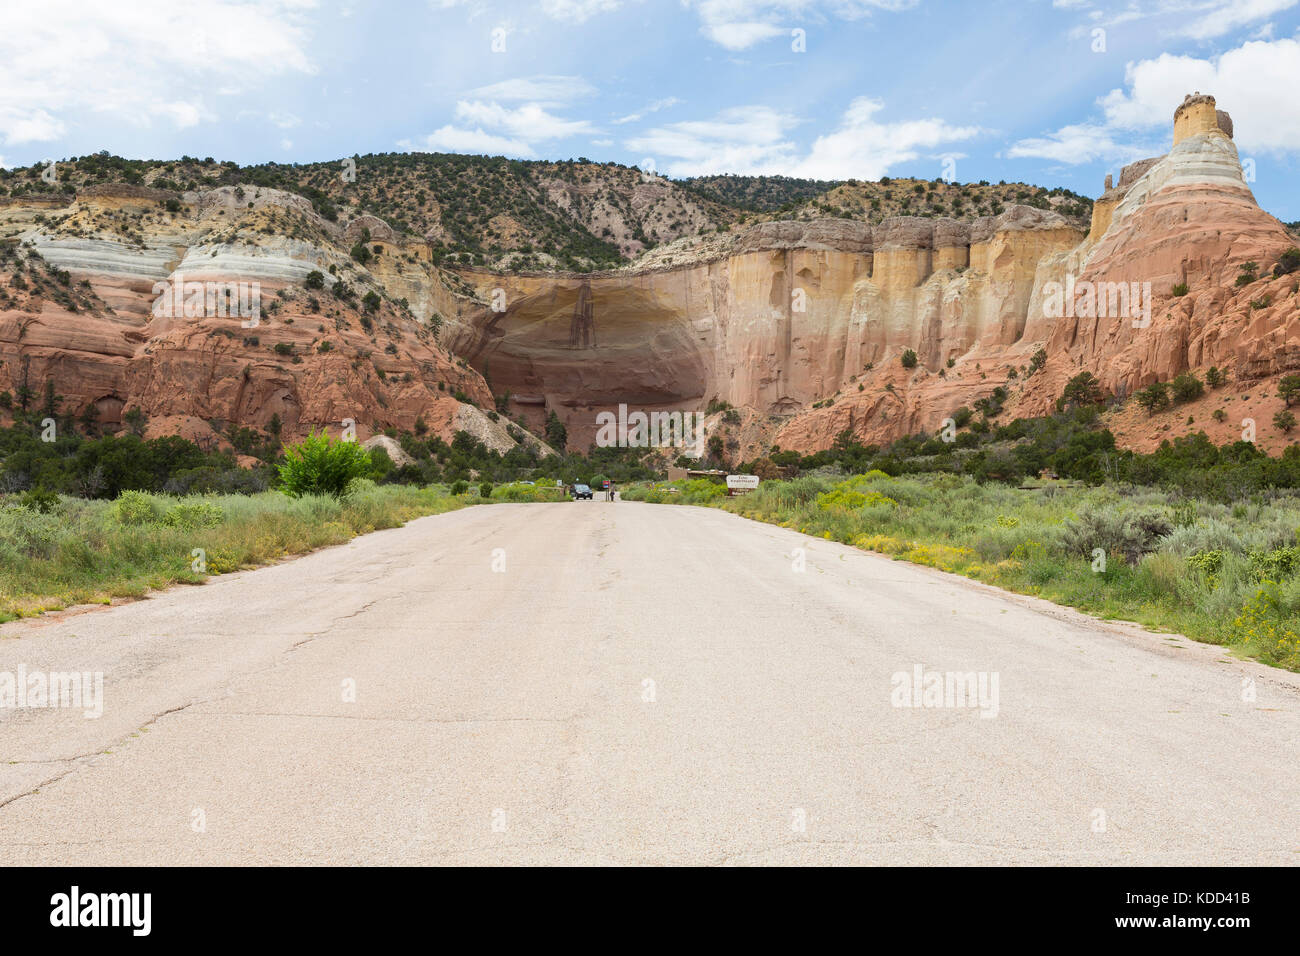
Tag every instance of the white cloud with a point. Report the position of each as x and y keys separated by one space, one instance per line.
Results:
x=24 y=125
x=452 y=139
x=755 y=140
x=741 y=35
x=863 y=148
x=743 y=139
x=547 y=90
x=1079 y=143
x=739 y=24
x=484 y=125
x=654 y=107
x=1232 y=14
x=1195 y=19
x=528 y=122
x=578 y=11
x=1252 y=83
x=139 y=61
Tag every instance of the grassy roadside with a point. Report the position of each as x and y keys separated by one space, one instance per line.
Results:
x=89 y=552
x=1222 y=574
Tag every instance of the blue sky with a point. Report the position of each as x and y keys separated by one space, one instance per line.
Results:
x=1052 y=92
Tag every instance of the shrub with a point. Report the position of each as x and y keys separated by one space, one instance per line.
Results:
x=192 y=515
x=1179 y=290
x=1276 y=565
x=1284 y=421
x=1268 y=625
x=1131 y=534
x=135 y=508
x=1082 y=390
x=1187 y=387
x=315 y=280
x=320 y=465
x=459 y=487
x=909 y=359
x=1288 y=262
x=1154 y=397
x=1208 y=563
x=1288 y=388
x=1215 y=377
x=40 y=501
x=485 y=490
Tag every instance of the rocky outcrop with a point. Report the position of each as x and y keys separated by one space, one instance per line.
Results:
x=804 y=326
x=793 y=314
x=807 y=322
x=307 y=360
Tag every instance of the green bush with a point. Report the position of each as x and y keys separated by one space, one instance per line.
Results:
x=320 y=465
x=1208 y=563
x=135 y=508
x=1132 y=533
x=485 y=490
x=459 y=487
x=40 y=501
x=1275 y=565
x=192 y=515
x=1154 y=397
x=1187 y=387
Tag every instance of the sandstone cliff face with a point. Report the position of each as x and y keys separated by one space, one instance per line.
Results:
x=802 y=326
x=310 y=360
x=788 y=316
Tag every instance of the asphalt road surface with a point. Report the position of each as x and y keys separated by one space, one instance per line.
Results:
x=588 y=682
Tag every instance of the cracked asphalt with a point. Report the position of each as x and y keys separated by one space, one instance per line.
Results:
x=639 y=684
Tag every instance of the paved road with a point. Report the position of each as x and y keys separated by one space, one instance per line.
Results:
x=640 y=684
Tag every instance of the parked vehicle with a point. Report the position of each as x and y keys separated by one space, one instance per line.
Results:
x=581 y=491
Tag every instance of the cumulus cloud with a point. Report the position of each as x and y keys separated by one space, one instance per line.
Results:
x=863 y=148
x=454 y=139
x=1252 y=82
x=529 y=122
x=489 y=121
x=1249 y=82
x=142 y=61
x=756 y=140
